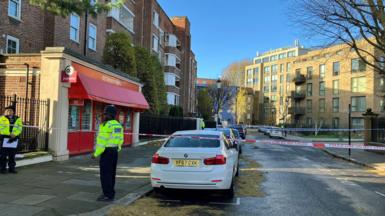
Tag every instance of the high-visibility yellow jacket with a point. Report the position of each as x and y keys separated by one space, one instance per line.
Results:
x=110 y=134
x=5 y=126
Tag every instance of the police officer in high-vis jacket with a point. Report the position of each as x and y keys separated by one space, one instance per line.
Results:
x=108 y=144
x=10 y=128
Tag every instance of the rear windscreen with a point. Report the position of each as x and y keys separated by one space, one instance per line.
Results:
x=194 y=141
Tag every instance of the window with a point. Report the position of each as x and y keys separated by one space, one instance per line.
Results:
x=291 y=54
x=273 y=57
x=309 y=89
x=282 y=78
x=258 y=61
x=322 y=72
x=281 y=101
x=382 y=105
x=281 y=89
x=274 y=87
x=87 y=116
x=336 y=122
x=170 y=60
x=155 y=43
x=73 y=117
x=171 y=98
x=322 y=88
x=358 y=65
x=322 y=105
x=336 y=86
x=74 y=27
x=288 y=78
x=274 y=78
x=281 y=68
x=358 y=104
x=127 y=124
x=266 y=69
x=357 y=123
x=12 y=45
x=359 y=84
x=297 y=72
x=336 y=104
x=14 y=9
x=382 y=63
x=169 y=79
x=155 y=19
x=265 y=59
x=309 y=73
x=309 y=106
x=288 y=67
x=336 y=68
x=309 y=121
x=274 y=69
x=282 y=56
x=265 y=88
x=249 y=72
x=92 y=37
x=287 y=89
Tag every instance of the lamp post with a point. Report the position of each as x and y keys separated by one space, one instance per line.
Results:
x=219 y=84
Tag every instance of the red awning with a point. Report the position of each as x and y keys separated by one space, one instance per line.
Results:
x=89 y=88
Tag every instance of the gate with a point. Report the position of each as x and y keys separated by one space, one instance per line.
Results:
x=35 y=116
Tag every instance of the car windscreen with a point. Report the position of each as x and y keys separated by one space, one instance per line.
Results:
x=236 y=133
x=226 y=132
x=193 y=141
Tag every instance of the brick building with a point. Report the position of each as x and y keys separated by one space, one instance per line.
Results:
x=28 y=29
x=308 y=87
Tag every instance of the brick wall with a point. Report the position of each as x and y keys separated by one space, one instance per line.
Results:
x=29 y=30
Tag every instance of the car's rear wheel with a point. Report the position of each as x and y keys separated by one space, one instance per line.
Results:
x=229 y=193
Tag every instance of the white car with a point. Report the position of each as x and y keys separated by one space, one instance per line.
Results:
x=275 y=132
x=203 y=160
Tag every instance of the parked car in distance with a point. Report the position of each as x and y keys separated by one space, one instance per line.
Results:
x=276 y=132
x=242 y=130
x=238 y=140
x=200 y=159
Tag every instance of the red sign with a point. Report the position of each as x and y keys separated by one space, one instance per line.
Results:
x=69 y=74
x=77 y=102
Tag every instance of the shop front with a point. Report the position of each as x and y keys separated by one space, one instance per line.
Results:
x=90 y=91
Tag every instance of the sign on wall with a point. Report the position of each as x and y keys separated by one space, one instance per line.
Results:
x=69 y=74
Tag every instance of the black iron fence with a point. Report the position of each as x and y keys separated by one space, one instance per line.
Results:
x=35 y=116
x=165 y=124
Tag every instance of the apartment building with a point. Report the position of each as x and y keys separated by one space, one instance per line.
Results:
x=315 y=87
x=28 y=29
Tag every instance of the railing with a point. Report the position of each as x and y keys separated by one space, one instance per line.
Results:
x=298 y=95
x=35 y=115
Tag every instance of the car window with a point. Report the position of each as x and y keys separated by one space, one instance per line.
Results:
x=193 y=141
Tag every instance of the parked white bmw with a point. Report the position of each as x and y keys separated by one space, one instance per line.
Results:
x=203 y=160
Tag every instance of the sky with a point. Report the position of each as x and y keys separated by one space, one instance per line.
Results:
x=224 y=31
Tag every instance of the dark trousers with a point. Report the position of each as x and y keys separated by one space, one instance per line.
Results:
x=10 y=153
x=107 y=164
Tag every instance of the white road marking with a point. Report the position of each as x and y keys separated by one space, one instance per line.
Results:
x=381 y=194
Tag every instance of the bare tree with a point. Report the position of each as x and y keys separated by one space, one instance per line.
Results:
x=220 y=96
x=234 y=73
x=348 y=21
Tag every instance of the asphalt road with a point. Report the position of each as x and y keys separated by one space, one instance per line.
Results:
x=298 y=181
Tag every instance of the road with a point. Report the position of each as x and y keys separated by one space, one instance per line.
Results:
x=297 y=181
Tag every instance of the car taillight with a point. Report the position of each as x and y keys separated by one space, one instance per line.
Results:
x=156 y=159
x=217 y=160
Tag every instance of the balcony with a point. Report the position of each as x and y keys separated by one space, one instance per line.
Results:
x=299 y=79
x=298 y=95
x=381 y=90
x=173 y=50
x=297 y=111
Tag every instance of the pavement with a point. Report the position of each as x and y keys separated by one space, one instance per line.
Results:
x=372 y=159
x=71 y=187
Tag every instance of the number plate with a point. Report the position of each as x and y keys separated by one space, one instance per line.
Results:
x=186 y=163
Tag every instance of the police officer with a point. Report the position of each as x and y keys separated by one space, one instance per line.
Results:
x=10 y=128
x=108 y=143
